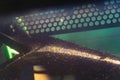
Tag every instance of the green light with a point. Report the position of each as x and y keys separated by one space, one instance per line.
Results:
x=22 y=24
x=24 y=28
x=27 y=32
x=19 y=20
x=11 y=52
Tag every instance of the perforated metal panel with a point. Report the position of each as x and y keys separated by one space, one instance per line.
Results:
x=71 y=18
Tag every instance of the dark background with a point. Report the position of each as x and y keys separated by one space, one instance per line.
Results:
x=11 y=6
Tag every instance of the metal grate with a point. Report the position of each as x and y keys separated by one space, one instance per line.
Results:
x=74 y=18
